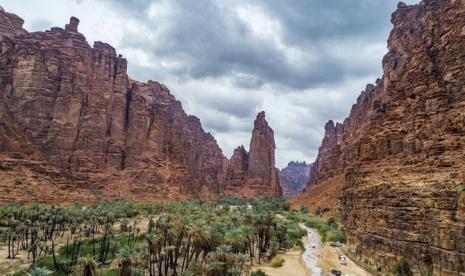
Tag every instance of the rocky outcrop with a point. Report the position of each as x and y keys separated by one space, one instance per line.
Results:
x=399 y=156
x=11 y=25
x=254 y=173
x=74 y=122
x=76 y=107
x=236 y=171
x=294 y=178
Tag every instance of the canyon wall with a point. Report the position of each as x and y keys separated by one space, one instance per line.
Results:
x=254 y=173
x=398 y=160
x=75 y=123
x=294 y=177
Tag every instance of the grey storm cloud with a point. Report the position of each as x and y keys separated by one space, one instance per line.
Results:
x=318 y=20
x=213 y=41
x=302 y=61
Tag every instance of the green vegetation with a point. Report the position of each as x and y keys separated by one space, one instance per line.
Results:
x=402 y=268
x=258 y=273
x=328 y=229
x=459 y=189
x=223 y=237
x=277 y=262
x=39 y=271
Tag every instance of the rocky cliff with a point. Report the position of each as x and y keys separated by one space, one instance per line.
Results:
x=74 y=122
x=254 y=173
x=398 y=159
x=77 y=106
x=294 y=178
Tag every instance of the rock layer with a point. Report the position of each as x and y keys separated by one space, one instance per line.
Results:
x=73 y=119
x=399 y=156
x=76 y=104
x=294 y=178
x=254 y=173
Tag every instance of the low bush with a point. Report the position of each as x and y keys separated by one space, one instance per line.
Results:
x=277 y=262
x=402 y=268
x=336 y=235
x=39 y=271
x=294 y=235
x=459 y=189
x=314 y=222
x=258 y=273
x=328 y=229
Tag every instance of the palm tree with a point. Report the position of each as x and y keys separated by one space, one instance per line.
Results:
x=222 y=261
x=125 y=265
x=241 y=259
x=203 y=241
x=237 y=240
x=88 y=266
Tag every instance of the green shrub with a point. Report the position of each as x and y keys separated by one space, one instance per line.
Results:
x=336 y=235
x=277 y=262
x=402 y=268
x=314 y=222
x=328 y=229
x=300 y=245
x=39 y=271
x=258 y=273
x=109 y=272
x=332 y=223
x=459 y=189
x=294 y=235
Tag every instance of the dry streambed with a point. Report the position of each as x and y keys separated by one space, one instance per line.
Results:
x=318 y=258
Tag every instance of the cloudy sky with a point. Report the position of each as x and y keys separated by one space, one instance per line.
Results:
x=304 y=62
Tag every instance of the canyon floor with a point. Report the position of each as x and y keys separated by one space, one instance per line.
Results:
x=321 y=259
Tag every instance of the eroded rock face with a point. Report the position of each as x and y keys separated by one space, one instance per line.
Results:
x=237 y=168
x=400 y=153
x=11 y=25
x=76 y=107
x=75 y=123
x=254 y=173
x=294 y=178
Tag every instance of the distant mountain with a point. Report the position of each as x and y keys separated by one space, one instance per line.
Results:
x=294 y=177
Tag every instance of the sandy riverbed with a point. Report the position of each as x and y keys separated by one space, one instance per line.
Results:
x=329 y=260
x=317 y=259
x=312 y=244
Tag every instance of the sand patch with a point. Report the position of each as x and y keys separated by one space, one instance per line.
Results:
x=293 y=265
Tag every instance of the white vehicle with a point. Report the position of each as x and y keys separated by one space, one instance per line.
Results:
x=343 y=260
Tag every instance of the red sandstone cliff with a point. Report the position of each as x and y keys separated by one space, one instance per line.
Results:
x=76 y=104
x=254 y=173
x=74 y=122
x=398 y=159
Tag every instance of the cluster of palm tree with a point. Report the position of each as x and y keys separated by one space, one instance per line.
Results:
x=224 y=237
